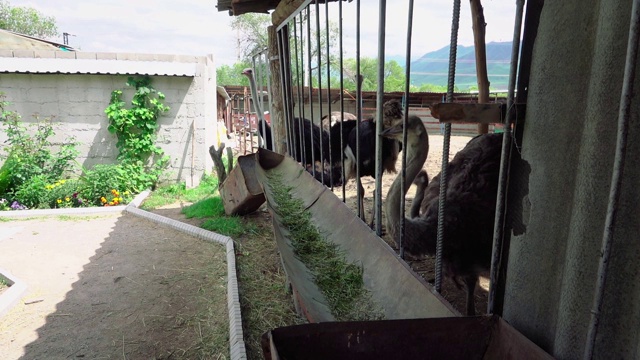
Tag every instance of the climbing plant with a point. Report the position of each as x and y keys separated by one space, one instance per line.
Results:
x=136 y=127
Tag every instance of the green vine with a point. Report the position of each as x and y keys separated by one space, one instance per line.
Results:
x=136 y=128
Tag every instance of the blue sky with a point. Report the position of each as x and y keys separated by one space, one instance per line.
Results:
x=196 y=27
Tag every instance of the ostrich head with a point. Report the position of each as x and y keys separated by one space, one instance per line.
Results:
x=247 y=72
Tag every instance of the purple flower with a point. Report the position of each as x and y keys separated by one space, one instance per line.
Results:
x=17 y=206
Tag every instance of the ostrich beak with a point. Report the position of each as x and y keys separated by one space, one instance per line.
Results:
x=393 y=132
x=247 y=72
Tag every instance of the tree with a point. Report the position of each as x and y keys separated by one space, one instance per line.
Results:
x=252 y=33
x=232 y=75
x=394 y=77
x=27 y=21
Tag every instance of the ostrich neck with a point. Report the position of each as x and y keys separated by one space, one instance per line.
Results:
x=254 y=97
x=417 y=151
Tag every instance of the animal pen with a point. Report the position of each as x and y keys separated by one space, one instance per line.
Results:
x=300 y=70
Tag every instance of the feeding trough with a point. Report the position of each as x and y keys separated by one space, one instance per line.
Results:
x=477 y=337
x=241 y=192
x=399 y=292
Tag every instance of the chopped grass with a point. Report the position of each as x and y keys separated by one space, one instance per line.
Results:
x=340 y=282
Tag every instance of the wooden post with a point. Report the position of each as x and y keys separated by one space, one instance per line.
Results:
x=277 y=98
x=477 y=16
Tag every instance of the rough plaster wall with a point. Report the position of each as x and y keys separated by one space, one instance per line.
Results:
x=77 y=103
x=569 y=142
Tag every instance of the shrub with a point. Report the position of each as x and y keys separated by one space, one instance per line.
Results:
x=99 y=182
x=33 y=193
x=30 y=152
x=64 y=194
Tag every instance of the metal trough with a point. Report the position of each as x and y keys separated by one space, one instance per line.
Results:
x=400 y=292
x=479 y=337
x=241 y=192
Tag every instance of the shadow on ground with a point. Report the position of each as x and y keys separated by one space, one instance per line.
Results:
x=113 y=286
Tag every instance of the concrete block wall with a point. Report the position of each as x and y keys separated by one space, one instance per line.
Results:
x=76 y=103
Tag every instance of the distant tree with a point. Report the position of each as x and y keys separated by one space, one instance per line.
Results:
x=394 y=77
x=26 y=20
x=232 y=75
x=252 y=33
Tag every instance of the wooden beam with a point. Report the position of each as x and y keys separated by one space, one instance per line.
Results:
x=475 y=113
x=284 y=9
x=477 y=17
x=277 y=98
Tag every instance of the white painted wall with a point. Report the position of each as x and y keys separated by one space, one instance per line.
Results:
x=76 y=102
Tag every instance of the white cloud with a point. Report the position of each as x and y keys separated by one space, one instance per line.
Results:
x=196 y=27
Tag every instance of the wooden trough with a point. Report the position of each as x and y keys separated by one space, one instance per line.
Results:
x=241 y=193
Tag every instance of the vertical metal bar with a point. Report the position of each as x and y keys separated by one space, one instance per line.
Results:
x=298 y=60
x=379 y=100
x=403 y=173
x=300 y=121
x=328 y=92
x=289 y=92
x=320 y=104
x=453 y=50
x=344 y=194
x=269 y=96
x=358 y=107
x=624 y=116
x=256 y=78
x=313 y=155
x=498 y=227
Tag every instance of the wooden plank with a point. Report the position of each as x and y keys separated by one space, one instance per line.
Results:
x=475 y=113
x=284 y=10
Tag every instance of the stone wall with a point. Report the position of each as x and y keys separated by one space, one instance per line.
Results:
x=76 y=102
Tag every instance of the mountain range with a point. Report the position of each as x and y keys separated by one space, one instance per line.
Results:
x=433 y=67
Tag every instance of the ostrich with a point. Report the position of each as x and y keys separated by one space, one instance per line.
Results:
x=328 y=121
x=470 y=206
x=263 y=128
x=421 y=181
x=311 y=152
x=392 y=114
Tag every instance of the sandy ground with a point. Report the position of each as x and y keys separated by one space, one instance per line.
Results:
x=111 y=286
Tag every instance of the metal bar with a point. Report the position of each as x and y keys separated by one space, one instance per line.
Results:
x=379 y=100
x=286 y=21
x=344 y=186
x=269 y=95
x=313 y=159
x=255 y=70
x=403 y=173
x=624 y=116
x=453 y=50
x=326 y=8
x=295 y=50
x=319 y=50
x=358 y=109
x=300 y=121
x=498 y=227
x=289 y=91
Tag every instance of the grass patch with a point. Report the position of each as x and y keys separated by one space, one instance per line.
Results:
x=210 y=207
x=264 y=297
x=340 y=282
x=166 y=195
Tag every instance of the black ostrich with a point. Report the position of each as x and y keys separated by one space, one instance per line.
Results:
x=470 y=206
x=392 y=113
x=308 y=151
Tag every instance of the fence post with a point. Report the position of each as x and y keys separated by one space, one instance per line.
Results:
x=277 y=106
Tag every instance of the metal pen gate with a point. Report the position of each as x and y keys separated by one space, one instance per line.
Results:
x=307 y=66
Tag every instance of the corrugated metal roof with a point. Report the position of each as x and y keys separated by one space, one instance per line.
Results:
x=91 y=66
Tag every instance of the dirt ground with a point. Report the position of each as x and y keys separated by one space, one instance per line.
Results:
x=113 y=286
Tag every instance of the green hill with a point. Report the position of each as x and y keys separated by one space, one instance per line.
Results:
x=433 y=67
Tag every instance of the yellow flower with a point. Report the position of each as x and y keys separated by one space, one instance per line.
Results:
x=62 y=181
x=103 y=199
x=59 y=201
x=67 y=199
x=126 y=193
